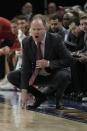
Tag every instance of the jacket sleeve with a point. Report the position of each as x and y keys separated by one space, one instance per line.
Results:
x=63 y=56
x=26 y=65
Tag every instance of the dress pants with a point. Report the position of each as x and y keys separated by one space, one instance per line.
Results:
x=55 y=83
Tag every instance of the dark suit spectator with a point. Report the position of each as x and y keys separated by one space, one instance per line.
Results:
x=75 y=39
x=80 y=67
x=55 y=25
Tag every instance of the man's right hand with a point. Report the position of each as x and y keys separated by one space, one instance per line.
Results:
x=4 y=50
x=83 y=57
x=24 y=98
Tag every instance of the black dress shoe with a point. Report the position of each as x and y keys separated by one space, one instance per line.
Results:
x=60 y=107
x=38 y=102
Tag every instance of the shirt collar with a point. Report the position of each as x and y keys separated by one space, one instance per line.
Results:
x=43 y=41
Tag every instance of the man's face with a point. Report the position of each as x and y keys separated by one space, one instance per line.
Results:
x=22 y=25
x=83 y=25
x=27 y=8
x=74 y=29
x=54 y=25
x=51 y=8
x=14 y=28
x=38 y=30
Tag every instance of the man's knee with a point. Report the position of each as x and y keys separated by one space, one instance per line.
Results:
x=14 y=77
x=10 y=76
x=63 y=75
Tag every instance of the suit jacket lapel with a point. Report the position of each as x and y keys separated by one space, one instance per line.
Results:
x=47 y=45
x=33 y=51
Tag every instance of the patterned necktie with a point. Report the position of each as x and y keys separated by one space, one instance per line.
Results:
x=36 y=71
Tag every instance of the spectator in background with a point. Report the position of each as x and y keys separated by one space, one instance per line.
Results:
x=80 y=66
x=52 y=8
x=67 y=19
x=27 y=11
x=7 y=40
x=75 y=39
x=60 y=11
x=23 y=31
x=11 y=57
x=55 y=25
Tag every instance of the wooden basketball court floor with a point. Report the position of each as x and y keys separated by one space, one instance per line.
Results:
x=45 y=118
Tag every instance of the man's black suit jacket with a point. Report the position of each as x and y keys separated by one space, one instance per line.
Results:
x=55 y=52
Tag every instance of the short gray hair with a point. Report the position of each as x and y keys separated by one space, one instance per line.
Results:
x=40 y=17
